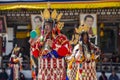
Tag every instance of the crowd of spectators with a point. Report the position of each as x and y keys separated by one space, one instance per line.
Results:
x=107 y=62
x=113 y=76
x=114 y=58
x=4 y=75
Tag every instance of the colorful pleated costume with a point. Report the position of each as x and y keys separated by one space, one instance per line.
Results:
x=15 y=64
x=51 y=47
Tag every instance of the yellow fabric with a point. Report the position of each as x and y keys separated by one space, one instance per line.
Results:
x=93 y=56
x=59 y=5
x=22 y=34
x=28 y=34
x=70 y=64
x=101 y=33
x=77 y=75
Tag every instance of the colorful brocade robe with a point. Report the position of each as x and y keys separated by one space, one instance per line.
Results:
x=84 y=65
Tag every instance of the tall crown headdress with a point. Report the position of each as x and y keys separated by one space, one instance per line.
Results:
x=54 y=18
x=51 y=16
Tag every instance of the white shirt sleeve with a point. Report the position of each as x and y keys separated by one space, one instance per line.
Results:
x=74 y=52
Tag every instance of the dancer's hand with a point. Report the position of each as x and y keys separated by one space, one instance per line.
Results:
x=49 y=42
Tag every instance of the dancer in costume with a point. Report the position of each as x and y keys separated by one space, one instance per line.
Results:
x=52 y=47
x=15 y=64
x=83 y=57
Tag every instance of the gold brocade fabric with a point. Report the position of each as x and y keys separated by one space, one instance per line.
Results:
x=60 y=5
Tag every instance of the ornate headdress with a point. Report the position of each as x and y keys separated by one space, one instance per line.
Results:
x=51 y=16
x=82 y=28
x=54 y=18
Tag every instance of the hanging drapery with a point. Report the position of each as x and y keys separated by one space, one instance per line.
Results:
x=59 y=5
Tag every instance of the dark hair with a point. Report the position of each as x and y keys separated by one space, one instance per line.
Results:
x=88 y=43
x=84 y=33
x=88 y=16
x=103 y=72
x=39 y=17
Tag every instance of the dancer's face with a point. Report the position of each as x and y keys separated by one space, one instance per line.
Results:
x=85 y=37
x=47 y=28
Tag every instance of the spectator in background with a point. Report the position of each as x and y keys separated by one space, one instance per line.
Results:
x=113 y=76
x=113 y=58
x=3 y=75
x=1 y=26
x=117 y=60
x=103 y=76
x=24 y=53
x=102 y=55
x=22 y=77
x=105 y=59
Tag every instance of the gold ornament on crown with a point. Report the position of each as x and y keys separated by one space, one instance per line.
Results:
x=82 y=28
x=59 y=16
x=46 y=14
x=54 y=15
